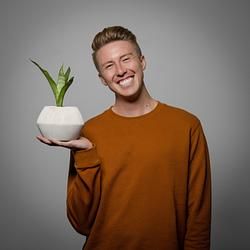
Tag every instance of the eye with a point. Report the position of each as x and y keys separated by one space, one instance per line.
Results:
x=126 y=59
x=108 y=66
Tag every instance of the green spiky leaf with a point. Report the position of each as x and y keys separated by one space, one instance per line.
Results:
x=61 y=80
x=52 y=83
x=63 y=91
x=67 y=74
x=61 y=86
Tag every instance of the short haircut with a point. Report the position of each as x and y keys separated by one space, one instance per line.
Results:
x=111 y=34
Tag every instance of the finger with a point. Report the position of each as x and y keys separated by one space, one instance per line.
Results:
x=60 y=143
x=43 y=139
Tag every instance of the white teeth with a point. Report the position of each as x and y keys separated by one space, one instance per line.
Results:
x=125 y=82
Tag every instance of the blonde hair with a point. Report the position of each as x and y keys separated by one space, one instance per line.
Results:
x=111 y=34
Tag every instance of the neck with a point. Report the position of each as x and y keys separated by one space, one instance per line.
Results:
x=136 y=107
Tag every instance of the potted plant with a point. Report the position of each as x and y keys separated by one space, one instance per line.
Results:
x=59 y=122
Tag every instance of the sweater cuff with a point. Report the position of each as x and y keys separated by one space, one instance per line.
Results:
x=86 y=158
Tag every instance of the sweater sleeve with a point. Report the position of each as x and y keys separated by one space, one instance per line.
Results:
x=199 y=194
x=83 y=191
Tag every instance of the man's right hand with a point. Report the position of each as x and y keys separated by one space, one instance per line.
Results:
x=78 y=144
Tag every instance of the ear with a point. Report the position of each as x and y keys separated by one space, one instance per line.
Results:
x=102 y=80
x=143 y=62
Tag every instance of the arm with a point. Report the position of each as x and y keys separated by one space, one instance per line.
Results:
x=199 y=194
x=83 y=192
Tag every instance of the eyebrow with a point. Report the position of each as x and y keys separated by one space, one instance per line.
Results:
x=127 y=54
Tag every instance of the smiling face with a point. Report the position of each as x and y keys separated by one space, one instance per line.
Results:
x=121 y=69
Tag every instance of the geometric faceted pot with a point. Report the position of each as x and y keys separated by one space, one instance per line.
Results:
x=60 y=123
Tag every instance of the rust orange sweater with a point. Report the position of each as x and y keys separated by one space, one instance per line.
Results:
x=146 y=184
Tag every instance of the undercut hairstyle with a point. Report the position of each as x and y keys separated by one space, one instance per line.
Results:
x=111 y=34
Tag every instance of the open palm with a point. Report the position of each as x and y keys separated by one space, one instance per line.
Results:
x=81 y=143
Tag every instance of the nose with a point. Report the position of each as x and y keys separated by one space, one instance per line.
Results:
x=120 y=69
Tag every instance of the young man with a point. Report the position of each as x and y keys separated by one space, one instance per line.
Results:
x=139 y=176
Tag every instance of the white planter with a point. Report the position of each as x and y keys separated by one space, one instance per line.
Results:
x=60 y=123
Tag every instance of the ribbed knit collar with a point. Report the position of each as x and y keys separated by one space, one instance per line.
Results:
x=149 y=114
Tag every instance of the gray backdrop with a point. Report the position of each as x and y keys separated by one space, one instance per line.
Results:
x=198 y=59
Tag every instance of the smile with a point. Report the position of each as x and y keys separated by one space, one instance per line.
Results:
x=126 y=82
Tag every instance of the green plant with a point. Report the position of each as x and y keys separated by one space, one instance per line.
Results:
x=60 y=87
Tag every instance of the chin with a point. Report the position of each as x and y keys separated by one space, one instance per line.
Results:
x=130 y=97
